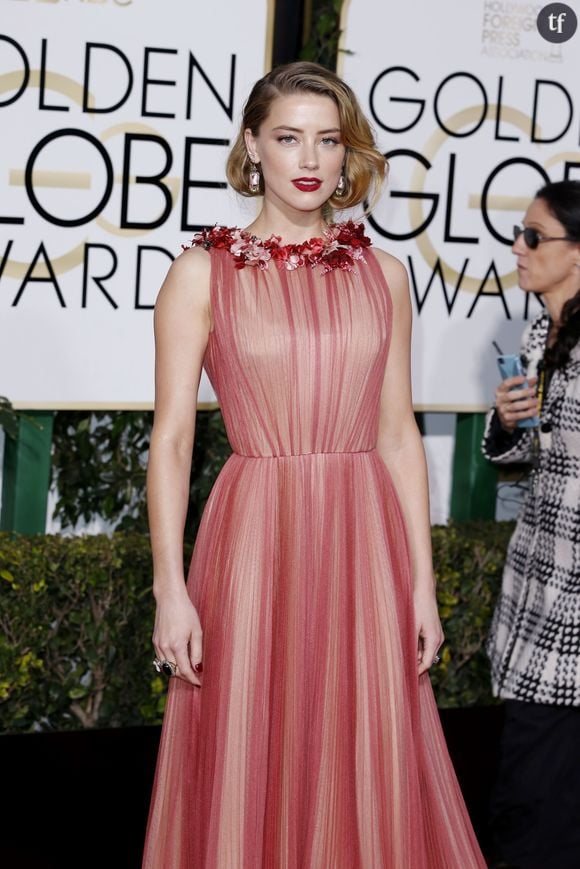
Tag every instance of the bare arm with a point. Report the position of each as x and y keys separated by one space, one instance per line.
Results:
x=401 y=448
x=182 y=323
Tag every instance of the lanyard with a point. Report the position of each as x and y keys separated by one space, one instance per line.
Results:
x=540 y=396
x=541 y=391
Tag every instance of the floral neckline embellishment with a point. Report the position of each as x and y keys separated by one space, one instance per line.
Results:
x=340 y=246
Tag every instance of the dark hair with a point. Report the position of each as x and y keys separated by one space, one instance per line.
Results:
x=364 y=165
x=563 y=201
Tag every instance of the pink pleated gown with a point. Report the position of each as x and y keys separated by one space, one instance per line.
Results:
x=312 y=743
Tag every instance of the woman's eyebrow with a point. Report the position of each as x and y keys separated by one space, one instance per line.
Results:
x=298 y=130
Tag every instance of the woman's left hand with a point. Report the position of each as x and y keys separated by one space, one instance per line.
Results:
x=429 y=631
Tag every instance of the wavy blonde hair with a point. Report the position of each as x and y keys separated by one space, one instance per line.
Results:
x=364 y=166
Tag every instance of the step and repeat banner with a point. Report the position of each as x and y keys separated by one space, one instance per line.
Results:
x=116 y=120
x=475 y=110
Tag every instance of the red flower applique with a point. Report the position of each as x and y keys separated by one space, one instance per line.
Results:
x=341 y=246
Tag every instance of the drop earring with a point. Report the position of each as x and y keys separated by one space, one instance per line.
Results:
x=254 y=184
x=340 y=187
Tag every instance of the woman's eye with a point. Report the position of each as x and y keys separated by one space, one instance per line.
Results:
x=330 y=140
x=286 y=139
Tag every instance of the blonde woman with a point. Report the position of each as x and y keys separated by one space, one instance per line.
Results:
x=301 y=729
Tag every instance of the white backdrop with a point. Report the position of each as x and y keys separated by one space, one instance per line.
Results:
x=476 y=110
x=116 y=118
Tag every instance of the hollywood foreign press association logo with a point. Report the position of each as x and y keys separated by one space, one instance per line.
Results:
x=557 y=22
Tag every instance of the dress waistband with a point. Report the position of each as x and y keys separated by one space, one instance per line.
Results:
x=299 y=455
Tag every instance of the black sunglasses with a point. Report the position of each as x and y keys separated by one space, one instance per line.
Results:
x=533 y=238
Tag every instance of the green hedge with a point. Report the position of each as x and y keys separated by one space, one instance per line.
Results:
x=76 y=619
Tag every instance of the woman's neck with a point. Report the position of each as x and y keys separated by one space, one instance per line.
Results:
x=554 y=309
x=556 y=298
x=292 y=227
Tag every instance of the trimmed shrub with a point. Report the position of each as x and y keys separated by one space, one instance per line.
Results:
x=76 y=617
x=75 y=633
x=468 y=559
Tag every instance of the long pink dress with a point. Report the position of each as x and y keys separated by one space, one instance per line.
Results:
x=312 y=743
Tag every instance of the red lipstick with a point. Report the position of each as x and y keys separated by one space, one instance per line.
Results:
x=307 y=184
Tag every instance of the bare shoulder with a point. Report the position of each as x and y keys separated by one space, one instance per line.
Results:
x=394 y=271
x=191 y=267
x=188 y=279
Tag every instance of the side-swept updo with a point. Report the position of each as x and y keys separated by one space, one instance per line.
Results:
x=364 y=167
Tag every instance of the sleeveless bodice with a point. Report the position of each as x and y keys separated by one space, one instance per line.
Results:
x=297 y=357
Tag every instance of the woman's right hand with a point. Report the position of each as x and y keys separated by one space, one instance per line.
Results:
x=177 y=635
x=514 y=404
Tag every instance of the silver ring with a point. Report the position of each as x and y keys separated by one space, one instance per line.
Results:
x=436 y=659
x=168 y=668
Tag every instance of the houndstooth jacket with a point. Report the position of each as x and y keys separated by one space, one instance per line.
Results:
x=534 y=642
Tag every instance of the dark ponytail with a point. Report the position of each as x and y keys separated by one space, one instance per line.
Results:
x=563 y=201
x=567 y=336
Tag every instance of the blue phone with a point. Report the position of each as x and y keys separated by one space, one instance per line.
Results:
x=510 y=365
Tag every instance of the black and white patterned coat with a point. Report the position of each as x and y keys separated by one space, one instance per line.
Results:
x=534 y=643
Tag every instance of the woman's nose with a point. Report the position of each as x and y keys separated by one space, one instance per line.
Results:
x=308 y=157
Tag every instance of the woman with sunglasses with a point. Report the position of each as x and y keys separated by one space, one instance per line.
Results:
x=534 y=644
